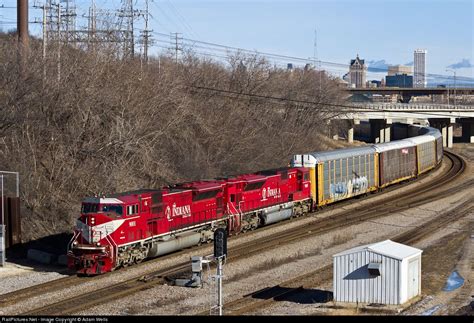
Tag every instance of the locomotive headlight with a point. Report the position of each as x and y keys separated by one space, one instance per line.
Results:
x=75 y=243
x=98 y=244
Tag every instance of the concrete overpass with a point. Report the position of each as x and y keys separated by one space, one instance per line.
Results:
x=382 y=115
x=408 y=93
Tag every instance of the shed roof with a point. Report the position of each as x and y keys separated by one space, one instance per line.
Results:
x=387 y=248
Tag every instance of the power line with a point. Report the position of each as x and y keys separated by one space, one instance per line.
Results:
x=280 y=100
x=181 y=18
x=166 y=15
x=295 y=58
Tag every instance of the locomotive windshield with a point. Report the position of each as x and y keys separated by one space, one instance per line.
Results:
x=94 y=208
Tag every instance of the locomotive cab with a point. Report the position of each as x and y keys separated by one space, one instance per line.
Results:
x=91 y=250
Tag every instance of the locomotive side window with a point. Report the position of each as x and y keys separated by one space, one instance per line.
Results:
x=89 y=208
x=306 y=176
x=132 y=209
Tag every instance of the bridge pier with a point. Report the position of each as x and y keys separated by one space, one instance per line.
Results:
x=445 y=125
x=350 y=131
x=467 y=130
x=380 y=130
x=387 y=130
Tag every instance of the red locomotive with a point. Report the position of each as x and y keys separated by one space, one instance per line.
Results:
x=121 y=229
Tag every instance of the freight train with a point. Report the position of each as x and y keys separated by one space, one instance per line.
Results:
x=122 y=229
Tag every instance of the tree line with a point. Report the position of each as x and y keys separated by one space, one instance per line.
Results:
x=111 y=124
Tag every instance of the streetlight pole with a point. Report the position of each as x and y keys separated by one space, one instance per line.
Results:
x=454 y=88
x=450 y=70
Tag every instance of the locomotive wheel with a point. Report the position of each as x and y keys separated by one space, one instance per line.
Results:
x=138 y=260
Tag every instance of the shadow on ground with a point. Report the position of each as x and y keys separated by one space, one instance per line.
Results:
x=300 y=296
x=54 y=244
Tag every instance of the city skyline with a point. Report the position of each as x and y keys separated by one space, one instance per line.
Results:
x=343 y=29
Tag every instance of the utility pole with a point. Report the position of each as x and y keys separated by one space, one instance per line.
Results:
x=454 y=88
x=92 y=24
x=315 y=55
x=450 y=70
x=176 y=48
x=132 y=31
x=146 y=33
x=45 y=37
x=59 y=41
x=44 y=25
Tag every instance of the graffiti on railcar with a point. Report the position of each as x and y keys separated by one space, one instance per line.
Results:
x=354 y=186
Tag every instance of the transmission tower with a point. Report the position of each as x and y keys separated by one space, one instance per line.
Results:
x=176 y=39
x=146 y=33
x=127 y=16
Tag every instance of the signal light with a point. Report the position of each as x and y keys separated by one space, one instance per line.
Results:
x=220 y=243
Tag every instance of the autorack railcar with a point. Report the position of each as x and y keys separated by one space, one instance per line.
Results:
x=340 y=174
x=397 y=161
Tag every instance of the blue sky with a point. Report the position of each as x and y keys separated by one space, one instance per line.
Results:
x=383 y=30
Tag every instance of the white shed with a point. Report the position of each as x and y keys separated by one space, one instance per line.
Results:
x=385 y=272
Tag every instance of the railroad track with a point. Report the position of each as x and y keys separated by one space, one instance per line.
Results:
x=52 y=286
x=270 y=295
x=344 y=219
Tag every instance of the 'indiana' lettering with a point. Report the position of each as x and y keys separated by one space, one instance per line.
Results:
x=183 y=211
x=273 y=192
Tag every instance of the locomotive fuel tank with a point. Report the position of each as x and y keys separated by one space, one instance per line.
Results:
x=173 y=244
x=276 y=213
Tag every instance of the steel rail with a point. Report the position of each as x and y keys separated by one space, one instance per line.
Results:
x=247 y=249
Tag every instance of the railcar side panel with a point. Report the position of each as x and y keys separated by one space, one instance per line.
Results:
x=426 y=155
x=345 y=177
x=439 y=149
x=397 y=165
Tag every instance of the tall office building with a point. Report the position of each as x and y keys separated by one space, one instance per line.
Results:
x=357 y=72
x=399 y=80
x=399 y=69
x=419 y=71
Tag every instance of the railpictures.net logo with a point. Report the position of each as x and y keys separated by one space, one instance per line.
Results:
x=54 y=319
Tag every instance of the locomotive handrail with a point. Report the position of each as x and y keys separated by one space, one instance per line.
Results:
x=110 y=239
x=74 y=238
x=237 y=211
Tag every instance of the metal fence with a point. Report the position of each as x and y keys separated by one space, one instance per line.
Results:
x=10 y=221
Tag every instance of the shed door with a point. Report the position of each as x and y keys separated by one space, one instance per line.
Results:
x=413 y=278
